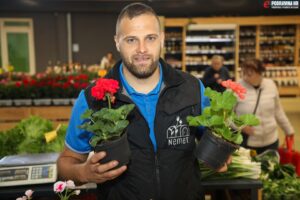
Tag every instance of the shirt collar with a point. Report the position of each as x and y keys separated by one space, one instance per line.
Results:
x=131 y=90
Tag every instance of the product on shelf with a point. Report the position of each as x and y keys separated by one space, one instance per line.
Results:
x=173 y=46
x=205 y=41
x=277 y=45
x=247 y=43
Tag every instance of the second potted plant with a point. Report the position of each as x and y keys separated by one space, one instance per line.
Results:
x=223 y=134
x=108 y=124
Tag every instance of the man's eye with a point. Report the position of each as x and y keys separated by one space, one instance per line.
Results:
x=130 y=40
x=151 y=38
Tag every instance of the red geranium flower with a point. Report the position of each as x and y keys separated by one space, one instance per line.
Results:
x=105 y=88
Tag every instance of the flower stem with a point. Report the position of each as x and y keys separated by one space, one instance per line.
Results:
x=108 y=99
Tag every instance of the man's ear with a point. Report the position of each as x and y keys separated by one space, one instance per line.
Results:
x=117 y=43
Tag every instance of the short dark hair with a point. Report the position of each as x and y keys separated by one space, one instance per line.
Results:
x=133 y=10
x=253 y=64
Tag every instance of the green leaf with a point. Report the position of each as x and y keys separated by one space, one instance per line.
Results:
x=125 y=110
x=87 y=114
x=237 y=138
x=112 y=115
x=228 y=100
x=249 y=119
x=120 y=126
x=216 y=120
x=94 y=140
x=226 y=133
x=198 y=121
x=207 y=111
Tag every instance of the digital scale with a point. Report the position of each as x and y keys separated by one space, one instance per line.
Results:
x=28 y=169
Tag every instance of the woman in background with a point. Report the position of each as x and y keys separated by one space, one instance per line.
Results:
x=262 y=99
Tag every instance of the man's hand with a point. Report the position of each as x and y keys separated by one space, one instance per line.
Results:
x=99 y=173
x=216 y=75
x=248 y=130
x=224 y=168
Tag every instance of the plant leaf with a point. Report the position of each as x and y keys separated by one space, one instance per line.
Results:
x=87 y=114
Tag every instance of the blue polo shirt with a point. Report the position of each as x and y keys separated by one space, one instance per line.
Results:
x=146 y=103
x=78 y=139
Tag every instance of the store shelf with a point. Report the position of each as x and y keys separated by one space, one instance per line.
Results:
x=202 y=42
x=173 y=46
x=247 y=43
x=277 y=45
x=274 y=40
x=10 y=116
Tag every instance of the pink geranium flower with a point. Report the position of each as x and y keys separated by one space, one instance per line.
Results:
x=237 y=88
x=59 y=186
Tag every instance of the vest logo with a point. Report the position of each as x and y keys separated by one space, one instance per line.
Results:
x=178 y=133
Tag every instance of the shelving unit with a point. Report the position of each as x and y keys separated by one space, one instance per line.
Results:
x=204 y=41
x=277 y=45
x=173 y=46
x=247 y=43
x=273 y=39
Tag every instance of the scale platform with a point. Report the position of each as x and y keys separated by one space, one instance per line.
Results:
x=28 y=169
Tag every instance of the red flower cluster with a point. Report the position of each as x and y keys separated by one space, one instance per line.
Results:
x=104 y=86
x=235 y=87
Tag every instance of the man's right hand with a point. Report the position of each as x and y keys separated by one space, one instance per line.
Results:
x=99 y=173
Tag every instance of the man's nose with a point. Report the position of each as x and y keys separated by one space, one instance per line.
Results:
x=142 y=48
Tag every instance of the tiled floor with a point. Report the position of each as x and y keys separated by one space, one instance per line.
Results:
x=292 y=109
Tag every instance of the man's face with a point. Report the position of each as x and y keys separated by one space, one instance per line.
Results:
x=216 y=64
x=139 y=42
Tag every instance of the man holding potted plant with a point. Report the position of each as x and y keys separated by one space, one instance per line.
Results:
x=162 y=163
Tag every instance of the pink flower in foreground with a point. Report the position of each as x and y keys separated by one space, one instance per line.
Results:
x=235 y=87
x=29 y=193
x=77 y=192
x=70 y=184
x=59 y=186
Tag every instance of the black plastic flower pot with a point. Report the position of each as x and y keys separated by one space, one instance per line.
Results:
x=214 y=151
x=115 y=150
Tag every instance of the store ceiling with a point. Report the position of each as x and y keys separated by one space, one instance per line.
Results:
x=170 y=8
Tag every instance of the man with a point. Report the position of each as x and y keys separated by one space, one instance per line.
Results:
x=215 y=74
x=161 y=166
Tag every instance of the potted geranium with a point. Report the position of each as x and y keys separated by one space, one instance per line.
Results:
x=223 y=134
x=108 y=124
x=22 y=93
x=5 y=93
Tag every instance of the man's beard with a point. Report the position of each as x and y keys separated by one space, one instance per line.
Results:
x=141 y=71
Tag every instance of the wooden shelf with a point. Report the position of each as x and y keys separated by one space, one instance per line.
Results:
x=10 y=116
x=289 y=91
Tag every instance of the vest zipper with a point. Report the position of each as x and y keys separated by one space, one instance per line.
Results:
x=157 y=176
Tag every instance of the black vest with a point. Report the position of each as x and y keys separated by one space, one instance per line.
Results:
x=172 y=173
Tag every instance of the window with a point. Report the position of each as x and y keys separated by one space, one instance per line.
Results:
x=17 y=46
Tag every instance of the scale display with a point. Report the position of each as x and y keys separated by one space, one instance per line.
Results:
x=28 y=169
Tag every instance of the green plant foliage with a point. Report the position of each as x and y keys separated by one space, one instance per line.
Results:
x=28 y=137
x=280 y=181
x=34 y=128
x=9 y=140
x=219 y=116
x=106 y=123
x=57 y=145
